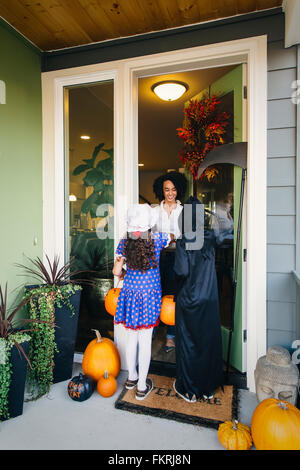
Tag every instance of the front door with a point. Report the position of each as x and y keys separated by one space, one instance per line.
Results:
x=158 y=153
x=225 y=195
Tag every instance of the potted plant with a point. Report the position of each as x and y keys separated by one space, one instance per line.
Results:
x=14 y=347
x=55 y=301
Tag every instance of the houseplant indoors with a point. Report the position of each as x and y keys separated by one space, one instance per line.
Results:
x=55 y=301
x=14 y=347
x=99 y=177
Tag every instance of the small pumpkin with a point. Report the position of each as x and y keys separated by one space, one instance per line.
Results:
x=234 y=435
x=111 y=300
x=107 y=385
x=101 y=354
x=81 y=387
x=275 y=425
x=167 y=311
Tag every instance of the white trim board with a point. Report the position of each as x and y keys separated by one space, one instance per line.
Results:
x=125 y=73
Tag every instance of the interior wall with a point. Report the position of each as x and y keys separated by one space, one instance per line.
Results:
x=146 y=180
x=20 y=158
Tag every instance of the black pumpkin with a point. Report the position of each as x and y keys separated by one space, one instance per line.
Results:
x=81 y=387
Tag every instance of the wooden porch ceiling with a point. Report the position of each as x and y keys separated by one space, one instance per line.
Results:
x=57 y=24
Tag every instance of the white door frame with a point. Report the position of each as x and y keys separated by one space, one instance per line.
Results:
x=125 y=74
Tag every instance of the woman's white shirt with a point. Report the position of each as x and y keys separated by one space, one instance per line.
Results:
x=168 y=223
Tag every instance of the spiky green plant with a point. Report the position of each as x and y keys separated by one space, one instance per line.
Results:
x=13 y=332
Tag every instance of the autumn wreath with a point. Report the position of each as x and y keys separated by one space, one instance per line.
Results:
x=204 y=129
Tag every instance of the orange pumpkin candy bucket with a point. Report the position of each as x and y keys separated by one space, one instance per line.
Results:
x=167 y=311
x=111 y=300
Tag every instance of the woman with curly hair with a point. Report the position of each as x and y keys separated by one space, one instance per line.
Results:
x=139 y=301
x=169 y=189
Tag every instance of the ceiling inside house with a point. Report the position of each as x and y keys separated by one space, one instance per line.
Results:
x=57 y=24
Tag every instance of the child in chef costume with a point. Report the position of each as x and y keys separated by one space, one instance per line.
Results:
x=139 y=301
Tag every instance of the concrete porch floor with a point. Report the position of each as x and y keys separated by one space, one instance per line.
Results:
x=55 y=422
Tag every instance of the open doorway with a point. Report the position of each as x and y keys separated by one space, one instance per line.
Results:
x=158 y=148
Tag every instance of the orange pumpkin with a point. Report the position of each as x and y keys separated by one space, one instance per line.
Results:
x=275 y=425
x=111 y=300
x=107 y=385
x=101 y=354
x=234 y=435
x=167 y=311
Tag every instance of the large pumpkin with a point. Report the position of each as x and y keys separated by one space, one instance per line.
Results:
x=101 y=354
x=234 y=435
x=275 y=425
x=167 y=311
x=111 y=300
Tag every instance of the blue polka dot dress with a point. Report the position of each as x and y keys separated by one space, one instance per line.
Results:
x=139 y=301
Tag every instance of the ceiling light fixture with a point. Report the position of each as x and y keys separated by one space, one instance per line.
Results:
x=169 y=90
x=140 y=164
x=85 y=137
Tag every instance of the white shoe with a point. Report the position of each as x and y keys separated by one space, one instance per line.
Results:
x=185 y=397
x=208 y=398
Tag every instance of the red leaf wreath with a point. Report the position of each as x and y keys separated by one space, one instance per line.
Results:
x=204 y=129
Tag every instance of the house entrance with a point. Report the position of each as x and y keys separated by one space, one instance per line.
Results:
x=127 y=76
x=159 y=147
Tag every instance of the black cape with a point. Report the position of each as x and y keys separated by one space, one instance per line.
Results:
x=198 y=328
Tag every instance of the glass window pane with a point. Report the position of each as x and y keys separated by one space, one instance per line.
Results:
x=217 y=196
x=90 y=200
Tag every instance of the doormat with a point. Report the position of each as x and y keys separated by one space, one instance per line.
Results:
x=163 y=402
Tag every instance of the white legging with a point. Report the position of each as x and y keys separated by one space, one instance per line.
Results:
x=139 y=340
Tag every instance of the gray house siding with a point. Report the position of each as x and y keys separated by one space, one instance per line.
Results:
x=281 y=195
x=297 y=277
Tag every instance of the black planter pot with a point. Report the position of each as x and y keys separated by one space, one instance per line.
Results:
x=65 y=337
x=18 y=377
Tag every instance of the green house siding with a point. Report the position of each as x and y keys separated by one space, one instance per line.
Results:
x=20 y=156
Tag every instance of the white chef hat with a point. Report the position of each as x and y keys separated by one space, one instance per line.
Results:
x=140 y=217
